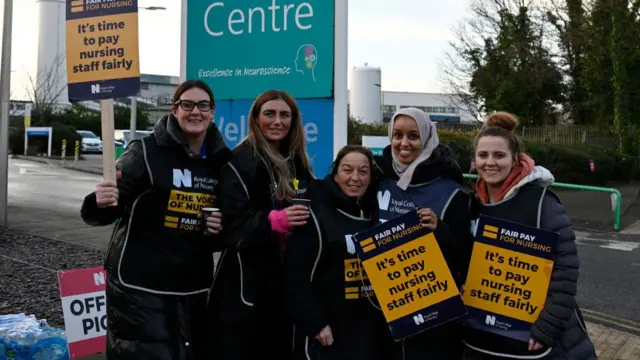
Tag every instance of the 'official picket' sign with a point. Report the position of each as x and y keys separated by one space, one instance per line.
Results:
x=84 y=306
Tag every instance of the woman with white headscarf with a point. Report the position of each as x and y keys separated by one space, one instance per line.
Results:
x=419 y=172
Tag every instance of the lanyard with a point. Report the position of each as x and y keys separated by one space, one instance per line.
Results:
x=203 y=150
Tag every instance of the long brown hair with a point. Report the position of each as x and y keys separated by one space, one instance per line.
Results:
x=293 y=143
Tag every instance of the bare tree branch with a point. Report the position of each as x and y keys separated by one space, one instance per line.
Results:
x=46 y=88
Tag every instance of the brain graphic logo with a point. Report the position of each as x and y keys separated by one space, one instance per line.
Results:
x=306 y=60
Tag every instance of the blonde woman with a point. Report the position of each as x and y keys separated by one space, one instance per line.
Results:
x=269 y=170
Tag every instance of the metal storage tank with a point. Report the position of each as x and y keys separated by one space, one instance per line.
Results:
x=365 y=95
x=52 y=65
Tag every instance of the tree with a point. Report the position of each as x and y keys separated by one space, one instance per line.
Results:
x=45 y=90
x=569 y=20
x=500 y=61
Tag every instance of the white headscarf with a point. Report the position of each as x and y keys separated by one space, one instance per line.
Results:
x=428 y=138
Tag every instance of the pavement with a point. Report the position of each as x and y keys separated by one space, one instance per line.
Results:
x=40 y=202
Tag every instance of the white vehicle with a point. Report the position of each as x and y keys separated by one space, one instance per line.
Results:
x=91 y=143
x=123 y=137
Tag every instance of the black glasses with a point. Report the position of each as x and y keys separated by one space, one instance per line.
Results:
x=188 y=105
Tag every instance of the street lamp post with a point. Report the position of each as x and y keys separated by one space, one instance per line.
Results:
x=5 y=89
x=134 y=99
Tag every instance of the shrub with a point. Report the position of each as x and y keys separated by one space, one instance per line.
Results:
x=569 y=164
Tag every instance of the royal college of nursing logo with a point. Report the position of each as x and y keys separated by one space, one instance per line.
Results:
x=182 y=178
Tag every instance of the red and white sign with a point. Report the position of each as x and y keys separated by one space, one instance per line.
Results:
x=84 y=306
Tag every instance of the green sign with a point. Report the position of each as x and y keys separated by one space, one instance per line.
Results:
x=244 y=47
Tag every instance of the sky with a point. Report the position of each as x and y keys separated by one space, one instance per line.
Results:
x=407 y=39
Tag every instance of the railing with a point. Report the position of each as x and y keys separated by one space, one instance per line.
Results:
x=616 y=196
x=553 y=134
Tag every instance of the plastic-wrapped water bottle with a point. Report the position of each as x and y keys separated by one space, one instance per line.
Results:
x=50 y=344
x=26 y=338
x=10 y=328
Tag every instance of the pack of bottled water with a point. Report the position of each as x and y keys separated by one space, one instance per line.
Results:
x=23 y=337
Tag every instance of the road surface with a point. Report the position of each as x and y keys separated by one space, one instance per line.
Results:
x=46 y=200
x=609 y=284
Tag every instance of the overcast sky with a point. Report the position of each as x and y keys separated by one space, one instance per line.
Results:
x=406 y=38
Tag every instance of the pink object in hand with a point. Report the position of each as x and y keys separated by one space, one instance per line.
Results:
x=279 y=221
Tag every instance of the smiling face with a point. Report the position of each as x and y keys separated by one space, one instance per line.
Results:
x=405 y=139
x=354 y=174
x=494 y=159
x=274 y=120
x=194 y=112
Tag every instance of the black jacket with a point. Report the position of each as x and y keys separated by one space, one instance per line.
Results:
x=322 y=280
x=245 y=305
x=142 y=324
x=453 y=236
x=560 y=325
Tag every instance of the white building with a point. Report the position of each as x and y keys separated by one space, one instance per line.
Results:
x=51 y=74
x=440 y=107
x=370 y=104
x=365 y=97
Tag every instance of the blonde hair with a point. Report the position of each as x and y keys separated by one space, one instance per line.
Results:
x=276 y=163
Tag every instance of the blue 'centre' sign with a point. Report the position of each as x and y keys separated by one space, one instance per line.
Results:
x=244 y=47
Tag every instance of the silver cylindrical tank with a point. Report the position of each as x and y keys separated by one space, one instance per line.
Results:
x=365 y=95
x=51 y=77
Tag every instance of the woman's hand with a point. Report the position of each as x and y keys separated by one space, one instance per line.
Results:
x=534 y=346
x=107 y=192
x=214 y=223
x=428 y=218
x=325 y=337
x=297 y=215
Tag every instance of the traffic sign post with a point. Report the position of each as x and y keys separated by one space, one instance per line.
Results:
x=5 y=89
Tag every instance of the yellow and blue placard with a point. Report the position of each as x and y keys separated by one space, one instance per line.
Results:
x=509 y=275
x=102 y=49
x=409 y=275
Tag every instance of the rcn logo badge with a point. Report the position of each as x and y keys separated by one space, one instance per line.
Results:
x=418 y=319
x=384 y=199
x=182 y=178
x=98 y=89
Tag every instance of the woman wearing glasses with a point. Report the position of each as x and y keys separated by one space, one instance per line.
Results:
x=159 y=264
x=257 y=188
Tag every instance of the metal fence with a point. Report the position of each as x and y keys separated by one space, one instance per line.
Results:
x=554 y=134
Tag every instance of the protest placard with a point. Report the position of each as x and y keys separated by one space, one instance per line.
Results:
x=508 y=279
x=103 y=61
x=409 y=275
x=102 y=49
x=84 y=306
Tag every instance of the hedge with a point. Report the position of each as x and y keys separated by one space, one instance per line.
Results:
x=569 y=164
